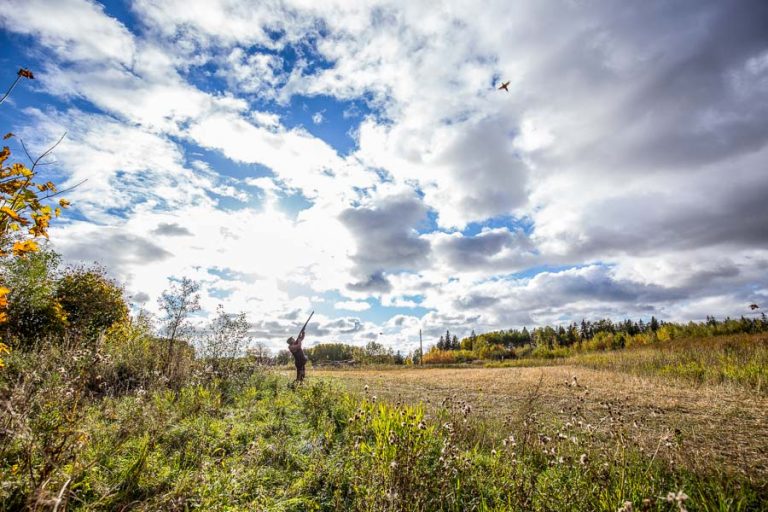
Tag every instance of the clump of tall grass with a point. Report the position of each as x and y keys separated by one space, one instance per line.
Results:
x=740 y=359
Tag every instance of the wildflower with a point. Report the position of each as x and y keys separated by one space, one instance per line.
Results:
x=373 y=398
x=583 y=459
x=366 y=388
x=421 y=426
x=493 y=452
x=678 y=498
x=626 y=507
x=393 y=464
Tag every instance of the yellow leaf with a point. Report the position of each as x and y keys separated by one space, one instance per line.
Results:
x=64 y=203
x=12 y=214
x=8 y=136
x=57 y=212
x=21 y=248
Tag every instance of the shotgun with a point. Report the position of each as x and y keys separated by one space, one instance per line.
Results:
x=305 y=323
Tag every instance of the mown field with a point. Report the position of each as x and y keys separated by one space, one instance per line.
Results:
x=710 y=428
x=697 y=404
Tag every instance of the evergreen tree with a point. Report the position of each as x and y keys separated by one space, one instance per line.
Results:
x=586 y=330
x=455 y=344
x=654 y=325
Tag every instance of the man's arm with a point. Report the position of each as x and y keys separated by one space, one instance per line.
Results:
x=300 y=338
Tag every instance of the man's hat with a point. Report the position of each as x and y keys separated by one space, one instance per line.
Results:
x=291 y=340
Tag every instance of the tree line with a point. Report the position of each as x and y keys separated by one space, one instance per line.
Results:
x=602 y=334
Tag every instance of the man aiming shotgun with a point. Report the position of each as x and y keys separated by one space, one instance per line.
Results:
x=298 y=354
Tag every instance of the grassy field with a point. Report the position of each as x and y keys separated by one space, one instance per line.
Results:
x=705 y=428
x=739 y=360
x=698 y=403
x=553 y=438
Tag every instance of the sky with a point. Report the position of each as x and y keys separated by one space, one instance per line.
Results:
x=358 y=159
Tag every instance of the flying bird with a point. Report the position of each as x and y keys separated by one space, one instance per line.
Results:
x=505 y=86
x=754 y=307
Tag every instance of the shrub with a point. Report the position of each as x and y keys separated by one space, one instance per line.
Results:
x=223 y=340
x=549 y=353
x=91 y=300
x=33 y=311
x=131 y=350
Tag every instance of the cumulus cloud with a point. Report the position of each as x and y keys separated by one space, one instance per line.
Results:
x=491 y=250
x=140 y=298
x=55 y=24
x=171 y=229
x=631 y=145
x=374 y=283
x=385 y=235
x=133 y=250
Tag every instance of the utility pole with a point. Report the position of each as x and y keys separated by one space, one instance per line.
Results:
x=421 y=350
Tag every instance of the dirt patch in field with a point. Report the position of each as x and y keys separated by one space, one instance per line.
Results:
x=707 y=428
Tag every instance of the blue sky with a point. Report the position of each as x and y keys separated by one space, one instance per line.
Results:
x=360 y=161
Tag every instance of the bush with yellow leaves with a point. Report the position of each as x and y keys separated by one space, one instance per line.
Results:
x=24 y=210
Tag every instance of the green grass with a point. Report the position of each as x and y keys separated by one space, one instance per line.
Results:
x=256 y=444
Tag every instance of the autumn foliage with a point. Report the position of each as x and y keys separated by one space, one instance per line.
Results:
x=27 y=205
x=24 y=212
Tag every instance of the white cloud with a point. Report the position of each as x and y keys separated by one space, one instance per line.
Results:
x=76 y=30
x=631 y=145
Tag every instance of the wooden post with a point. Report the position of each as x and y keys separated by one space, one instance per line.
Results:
x=421 y=350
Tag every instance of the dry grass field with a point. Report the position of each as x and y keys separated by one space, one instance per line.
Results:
x=705 y=428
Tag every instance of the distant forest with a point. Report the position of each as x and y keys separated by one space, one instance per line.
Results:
x=544 y=342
